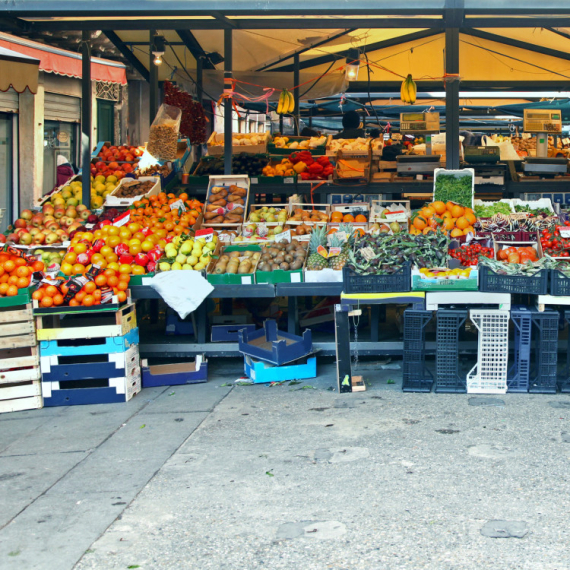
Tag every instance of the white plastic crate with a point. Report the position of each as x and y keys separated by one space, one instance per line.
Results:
x=489 y=375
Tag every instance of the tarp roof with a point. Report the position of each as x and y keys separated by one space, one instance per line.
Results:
x=18 y=71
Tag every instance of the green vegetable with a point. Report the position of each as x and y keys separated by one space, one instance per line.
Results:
x=459 y=189
x=531 y=210
x=488 y=211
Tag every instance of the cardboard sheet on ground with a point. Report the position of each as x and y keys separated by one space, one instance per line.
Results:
x=183 y=291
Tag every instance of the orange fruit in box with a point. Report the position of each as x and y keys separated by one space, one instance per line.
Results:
x=336 y=217
x=449 y=206
x=46 y=302
x=427 y=211
x=360 y=218
x=462 y=223
x=457 y=211
x=419 y=223
x=470 y=217
x=456 y=232
x=439 y=207
x=469 y=230
x=347 y=218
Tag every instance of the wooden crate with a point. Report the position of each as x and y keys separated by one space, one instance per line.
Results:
x=91 y=325
x=17 y=327
x=20 y=387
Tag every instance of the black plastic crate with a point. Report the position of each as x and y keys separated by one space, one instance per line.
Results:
x=416 y=378
x=492 y=282
x=565 y=383
x=559 y=283
x=398 y=282
x=447 y=379
x=545 y=332
x=519 y=373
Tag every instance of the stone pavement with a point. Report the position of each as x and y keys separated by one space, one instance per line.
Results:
x=252 y=477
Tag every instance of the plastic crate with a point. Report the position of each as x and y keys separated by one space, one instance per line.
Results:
x=492 y=282
x=416 y=378
x=489 y=375
x=545 y=333
x=519 y=373
x=399 y=282
x=565 y=383
x=447 y=379
x=559 y=283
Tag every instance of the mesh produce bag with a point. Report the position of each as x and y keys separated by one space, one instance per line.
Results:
x=163 y=136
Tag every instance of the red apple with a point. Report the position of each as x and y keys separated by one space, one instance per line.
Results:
x=69 y=222
x=47 y=209
x=125 y=258
x=40 y=237
x=97 y=245
x=27 y=214
x=61 y=232
x=34 y=231
x=13 y=238
x=142 y=259
x=59 y=213
x=37 y=220
x=122 y=249
x=105 y=222
x=84 y=215
x=151 y=266
x=20 y=223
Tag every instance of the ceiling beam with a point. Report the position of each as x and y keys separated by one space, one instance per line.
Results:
x=8 y=24
x=233 y=24
x=369 y=48
x=127 y=54
x=490 y=86
x=515 y=43
x=194 y=47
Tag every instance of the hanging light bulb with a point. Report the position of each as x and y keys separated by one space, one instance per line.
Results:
x=158 y=49
x=352 y=64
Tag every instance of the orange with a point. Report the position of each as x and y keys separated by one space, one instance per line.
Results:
x=73 y=303
x=79 y=248
x=46 y=302
x=20 y=262
x=4 y=278
x=9 y=266
x=3 y=288
x=12 y=280
x=124 y=268
x=112 y=281
x=448 y=223
x=58 y=300
x=67 y=269
x=78 y=268
x=348 y=218
x=414 y=231
x=36 y=295
x=110 y=257
x=89 y=287
x=470 y=217
x=360 y=218
x=101 y=280
x=439 y=207
x=446 y=214
x=121 y=296
x=457 y=211
x=462 y=223
x=88 y=301
x=70 y=257
x=124 y=277
x=106 y=250
x=428 y=231
x=449 y=205
x=114 y=230
x=51 y=290
x=456 y=232
x=113 y=241
x=109 y=272
x=419 y=223
x=23 y=271
x=80 y=296
x=113 y=265
x=138 y=270
x=23 y=282
x=147 y=245
x=122 y=286
x=469 y=230
x=336 y=217
x=428 y=212
x=135 y=248
x=38 y=266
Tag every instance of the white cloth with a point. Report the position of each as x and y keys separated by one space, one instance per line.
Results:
x=182 y=290
x=61 y=160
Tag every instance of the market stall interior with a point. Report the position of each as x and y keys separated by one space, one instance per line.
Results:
x=226 y=231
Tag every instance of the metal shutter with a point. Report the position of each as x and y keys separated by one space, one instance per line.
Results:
x=9 y=100
x=62 y=108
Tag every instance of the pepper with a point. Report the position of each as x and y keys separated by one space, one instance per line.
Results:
x=305 y=176
x=300 y=167
x=323 y=160
x=327 y=171
x=316 y=168
x=301 y=156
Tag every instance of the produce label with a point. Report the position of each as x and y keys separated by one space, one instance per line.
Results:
x=334 y=251
x=122 y=220
x=564 y=231
x=322 y=251
x=283 y=236
x=207 y=234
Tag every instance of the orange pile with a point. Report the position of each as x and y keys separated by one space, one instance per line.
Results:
x=450 y=218
x=517 y=254
x=155 y=212
x=338 y=217
x=16 y=273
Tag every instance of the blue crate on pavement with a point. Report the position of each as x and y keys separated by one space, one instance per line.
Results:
x=565 y=383
x=175 y=374
x=519 y=373
x=89 y=346
x=262 y=373
x=449 y=323
x=416 y=378
x=543 y=377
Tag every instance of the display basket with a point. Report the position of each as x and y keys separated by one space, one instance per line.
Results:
x=559 y=284
x=491 y=282
x=398 y=282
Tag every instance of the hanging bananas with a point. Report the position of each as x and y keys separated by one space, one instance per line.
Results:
x=408 y=90
x=286 y=103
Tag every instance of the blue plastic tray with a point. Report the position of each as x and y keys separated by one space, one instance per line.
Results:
x=261 y=372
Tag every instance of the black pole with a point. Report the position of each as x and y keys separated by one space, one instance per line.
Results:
x=153 y=87
x=227 y=102
x=199 y=95
x=86 y=96
x=296 y=92
x=453 y=17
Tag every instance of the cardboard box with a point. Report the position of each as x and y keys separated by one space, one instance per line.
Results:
x=113 y=201
x=175 y=374
x=231 y=278
x=216 y=143
x=241 y=180
x=261 y=372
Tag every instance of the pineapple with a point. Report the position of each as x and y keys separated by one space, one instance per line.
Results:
x=349 y=231
x=316 y=261
x=338 y=261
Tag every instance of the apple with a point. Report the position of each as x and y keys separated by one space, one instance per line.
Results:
x=61 y=232
x=34 y=231
x=105 y=222
x=74 y=226
x=71 y=212
x=52 y=226
x=14 y=238
x=37 y=220
x=27 y=214
x=20 y=223
x=85 y=215
x=97 y=245
x=47 y=209
x=40 y=237
x=122 y=249
x=59 y=213
x=83 y=258
x=52 y=238
x=26 y=238
x=79 y=208
x=93 y=219
x=49 y=218
x=142 y=259
x=126 y=258
x=68 y=222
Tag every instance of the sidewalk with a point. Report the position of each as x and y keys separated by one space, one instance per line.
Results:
x=211 y=477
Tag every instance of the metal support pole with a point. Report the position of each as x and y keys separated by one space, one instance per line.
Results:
x=452 y=90
x=296 y=93
x=86 y=96
x=199 y=95
x=153 y=88
x=227 y=102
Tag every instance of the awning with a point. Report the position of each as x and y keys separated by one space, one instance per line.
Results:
x=18 y=71
x=63 y=62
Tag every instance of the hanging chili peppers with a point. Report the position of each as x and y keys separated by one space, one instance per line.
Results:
x=193 y=123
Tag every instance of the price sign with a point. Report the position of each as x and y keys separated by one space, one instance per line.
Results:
x=283 y=236
x=207 y=234
x=122 y=219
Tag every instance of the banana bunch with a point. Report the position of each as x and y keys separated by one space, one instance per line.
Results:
x=408 y=90
x=286 y=103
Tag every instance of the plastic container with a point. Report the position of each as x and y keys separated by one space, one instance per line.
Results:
x=565 y=383
x=447 y=380
x=491 y=282
x=545 y=333
x=416 y=378
x=399 y=282
x=519 y=373
x=559 y=283
x=489 y=375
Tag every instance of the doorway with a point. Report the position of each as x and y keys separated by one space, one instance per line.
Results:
x=106 y=121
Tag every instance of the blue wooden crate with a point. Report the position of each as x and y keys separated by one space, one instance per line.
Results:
x=175 y=374
x=274 y=346
x=89 y=346
x=261 y=372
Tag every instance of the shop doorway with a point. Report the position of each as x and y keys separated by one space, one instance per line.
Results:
x=59 y=138
x=106 y=121
x=5 y=169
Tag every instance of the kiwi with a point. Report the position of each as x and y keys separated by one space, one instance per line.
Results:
x=288 y=258
x=266 y=257
x=279 y=259
x=264 y=266
x=274 y=267
x=284 y=266
x=224 y=258
x=296 y=265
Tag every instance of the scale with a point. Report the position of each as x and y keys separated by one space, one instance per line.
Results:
x=485 y=162
x=424 y=124
x=543 y=122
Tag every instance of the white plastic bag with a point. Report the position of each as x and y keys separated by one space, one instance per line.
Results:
x=183 y=290
x=506 y=149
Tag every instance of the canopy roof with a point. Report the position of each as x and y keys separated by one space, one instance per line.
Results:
x=18 y=71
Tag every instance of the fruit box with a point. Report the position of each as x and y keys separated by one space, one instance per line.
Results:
x=261 y=372
x=353 y=168
x=344 y=145
x=400 y=211
x=457 y=174
x=498 y=245
x=354 y=209
x=113 y=201
x=326 y=275
x=421 y=283
x=22 y=298
x=231 y=278
x=279 y=276
x=46 y=197
x=175 y=374
x=216 y=143
x=319 y=150
x=256 y=207
x=308 y=208
x=274 y=346
x=274 y=180
x=241 y=180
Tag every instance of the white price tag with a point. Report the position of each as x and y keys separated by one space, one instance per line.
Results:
x=397 y=137
x=566 y=141
x=283 y=236
x=367 y=253
x=179 y=204
x=295 y=278
x=564 y=231
x=526 y=136
x=253 y=180
x=246 y=280
x=89 y=226
x=288 y=180
x=208 y=234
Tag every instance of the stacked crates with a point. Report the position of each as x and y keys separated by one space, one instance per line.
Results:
x=449 y=323
x=519 y=374
x=20 y=385
x=416 y=377
x=545 y=332
x=89 y=357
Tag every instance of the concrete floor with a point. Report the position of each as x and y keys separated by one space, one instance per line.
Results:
x=252 y=477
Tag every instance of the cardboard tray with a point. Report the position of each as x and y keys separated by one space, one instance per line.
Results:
x=218 y=150
x=227 y=180
x=274 y=346
x=175 y=374
x=231 y=278
x=111 y=201
x=378 y=206
x=261 y=372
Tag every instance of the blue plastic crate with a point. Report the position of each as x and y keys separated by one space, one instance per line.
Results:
x=176 y=326
x=262 y=373
x=229 y=333
x=175 y=374
x=543 y=378
x=415 y=377
x=447 y=380
x=89 y=346
x=519 y=373
x=565 y=383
